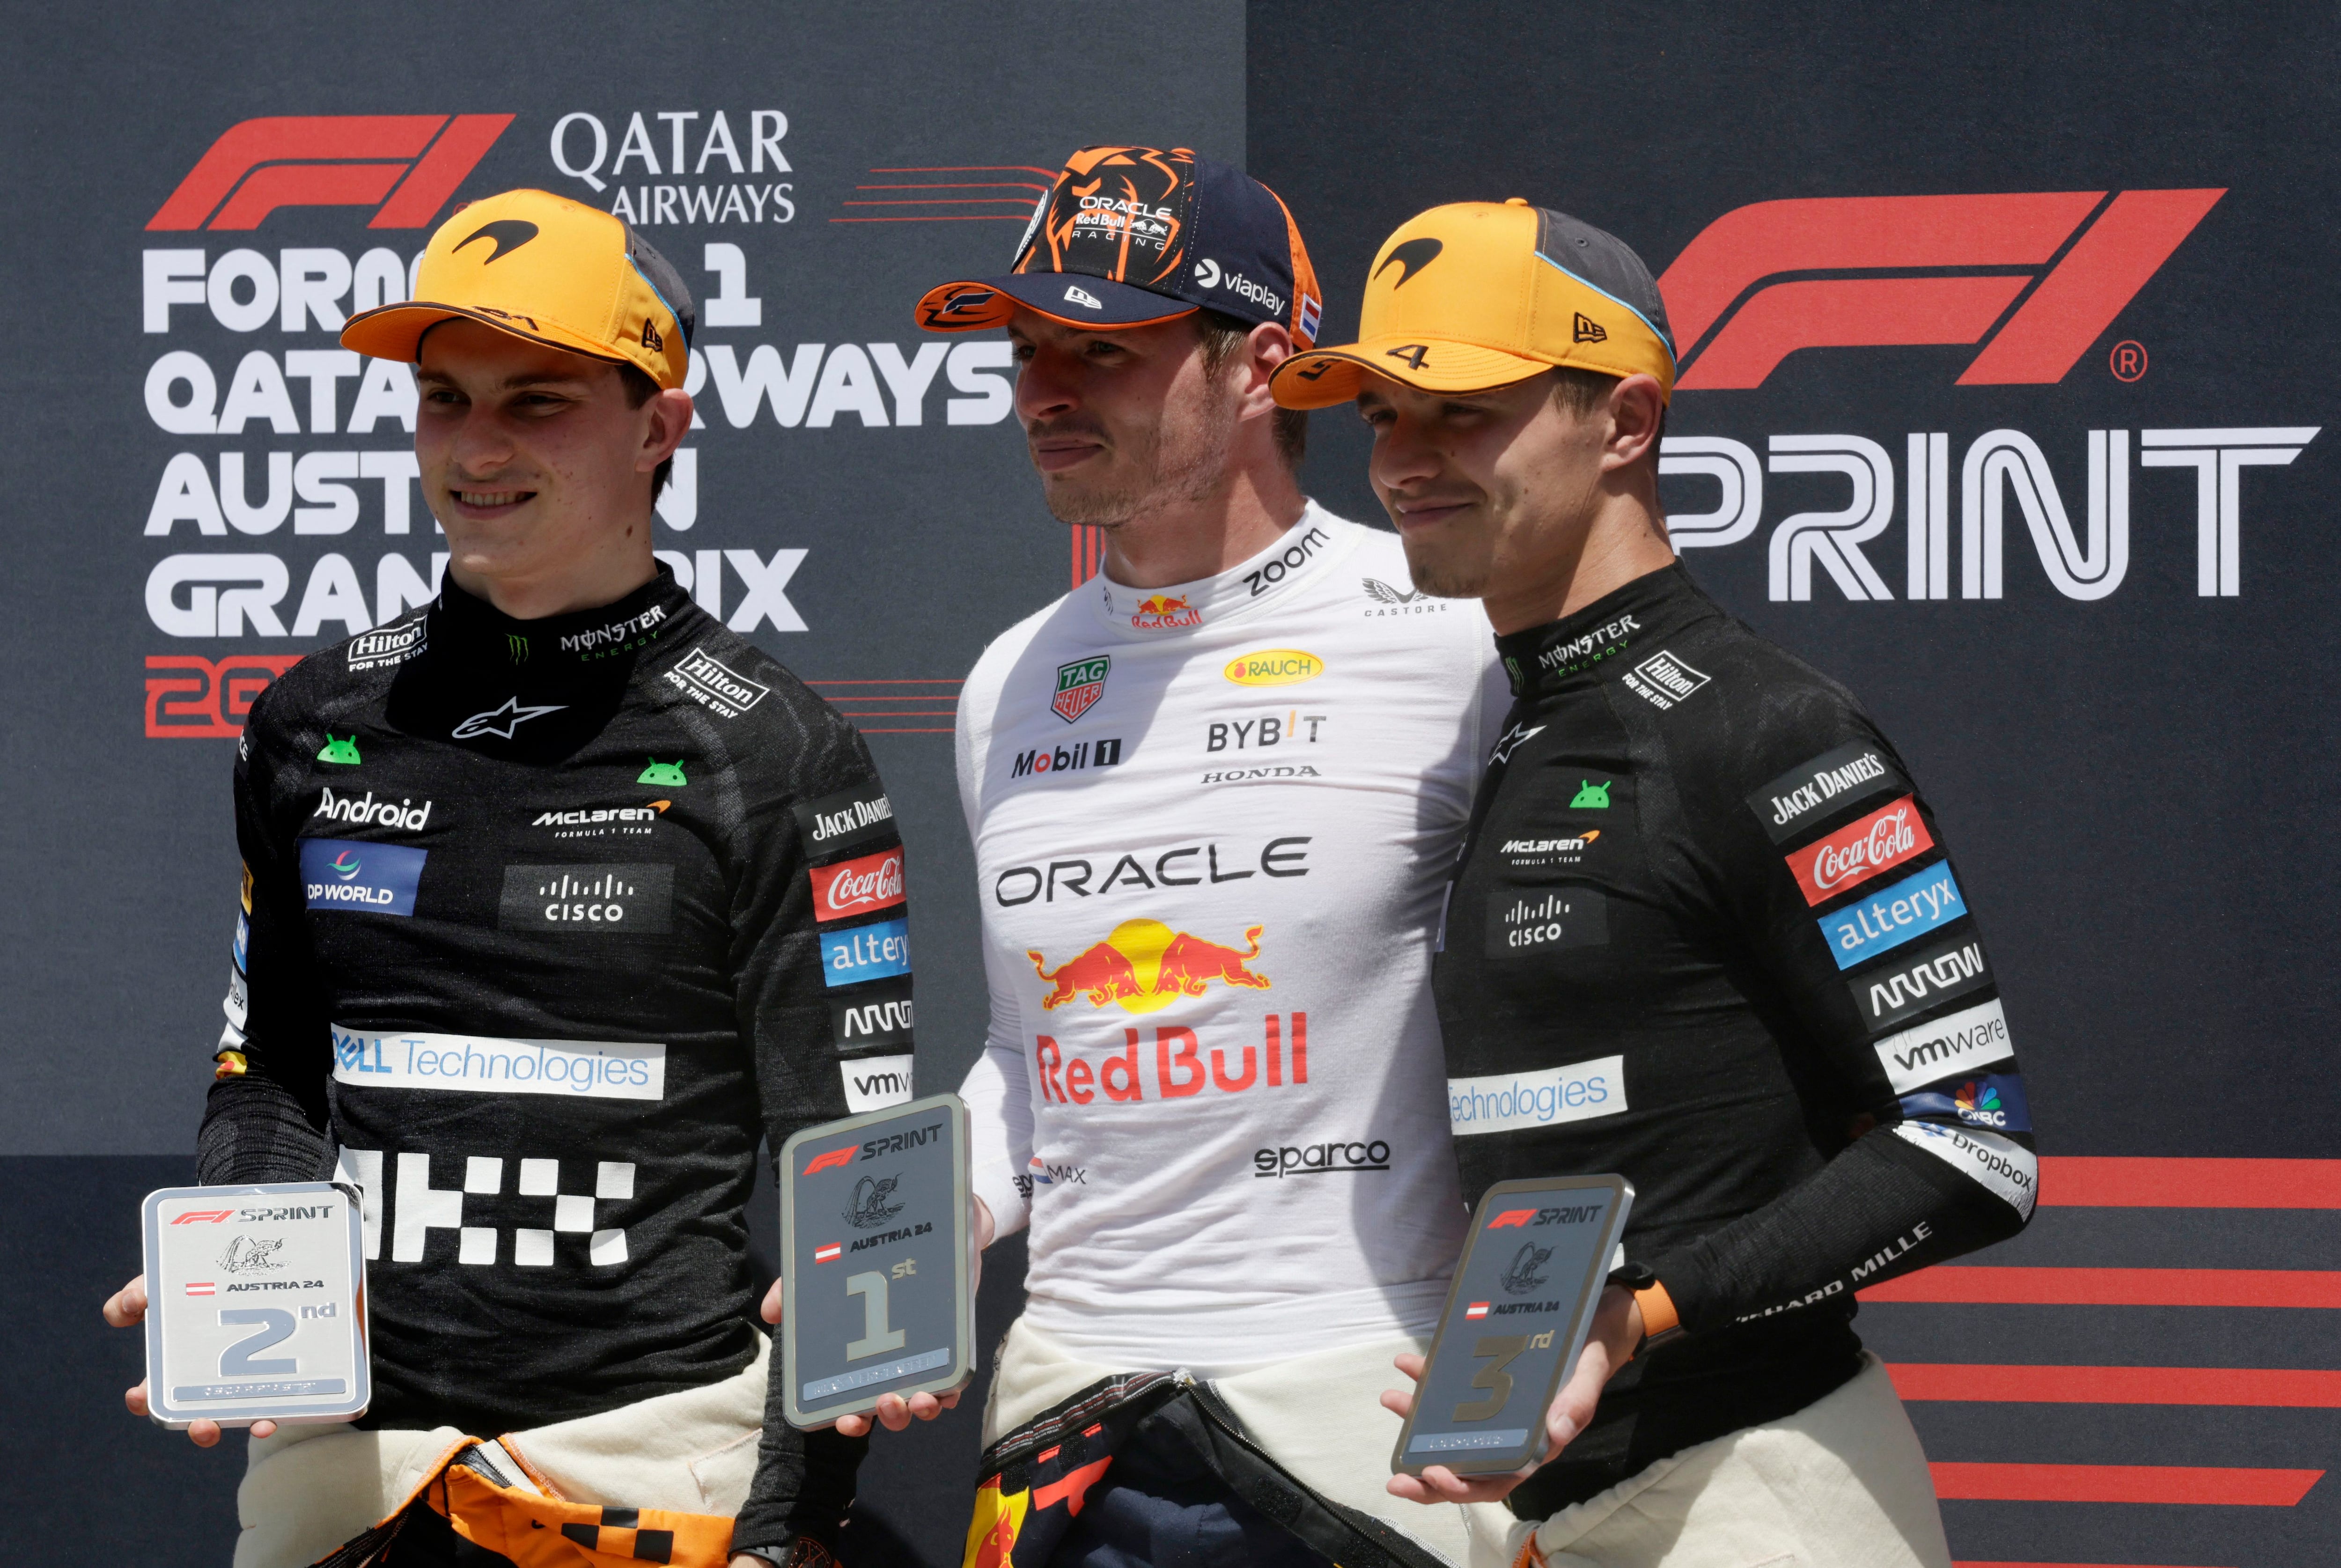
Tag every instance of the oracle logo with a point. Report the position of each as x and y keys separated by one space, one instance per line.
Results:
x=1861 y=850
x=857 y=886
x=2040 y=274
x=404 y=165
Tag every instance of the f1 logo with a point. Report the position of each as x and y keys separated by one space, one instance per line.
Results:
x=833 y=1159
x=2049 y=269
x=408 y=165
x=1519 y=1217
x=203 y=1217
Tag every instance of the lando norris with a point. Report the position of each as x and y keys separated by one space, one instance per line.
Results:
x=1704 y=934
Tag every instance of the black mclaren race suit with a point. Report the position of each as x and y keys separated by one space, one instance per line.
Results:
x=1704 y=934
x=547 y=924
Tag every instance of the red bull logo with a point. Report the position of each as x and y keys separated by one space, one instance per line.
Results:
x=1159 y=611
x=1143 y=964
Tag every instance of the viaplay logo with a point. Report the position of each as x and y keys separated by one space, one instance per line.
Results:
x=2036 y=281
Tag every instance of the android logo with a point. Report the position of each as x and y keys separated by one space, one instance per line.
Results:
x=659 y=773
x=339 y=751
x=1591 y=796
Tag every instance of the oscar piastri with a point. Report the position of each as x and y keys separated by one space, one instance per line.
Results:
x=534 y=952
x=1705 y=934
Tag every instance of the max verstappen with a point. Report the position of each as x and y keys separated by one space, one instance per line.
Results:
x=551 y=891
x=1214 y=794
x=1704 y=934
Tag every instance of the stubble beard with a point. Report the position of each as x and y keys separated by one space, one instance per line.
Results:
x=1183 y=461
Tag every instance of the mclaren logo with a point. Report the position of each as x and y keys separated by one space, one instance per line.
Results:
x=505 y=235
x=1410 y=258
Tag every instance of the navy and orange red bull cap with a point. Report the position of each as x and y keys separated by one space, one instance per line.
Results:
x=1127 y=237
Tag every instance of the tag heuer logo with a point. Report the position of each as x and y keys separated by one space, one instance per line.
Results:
x=1080 y=685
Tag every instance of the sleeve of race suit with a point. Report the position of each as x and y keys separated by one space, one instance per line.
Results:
x=1899 y=1045
x=804 y=1480
x=265 y=1119
x=997 y=1089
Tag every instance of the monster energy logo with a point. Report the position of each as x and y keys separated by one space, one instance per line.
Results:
x=517 y=646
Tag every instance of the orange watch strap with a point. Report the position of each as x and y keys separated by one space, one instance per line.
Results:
x=1659 y=1313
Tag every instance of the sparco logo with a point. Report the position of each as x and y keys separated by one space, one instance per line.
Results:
x=1744 y=294
x=615 y=636
x=1320 y=1160
x=359 y=812
x=416 y=161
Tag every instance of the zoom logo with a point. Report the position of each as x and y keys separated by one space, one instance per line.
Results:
x=1320 y=1160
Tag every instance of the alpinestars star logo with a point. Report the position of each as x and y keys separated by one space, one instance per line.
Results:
x=1514 y=738
x=501 y=722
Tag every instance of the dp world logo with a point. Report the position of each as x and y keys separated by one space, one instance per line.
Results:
x=2034 y=277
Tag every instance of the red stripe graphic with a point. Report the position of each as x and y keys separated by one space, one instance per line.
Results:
x=2235 y=1487
x=2272 y=1388
x=2099 y=1182
x=2114 y=1287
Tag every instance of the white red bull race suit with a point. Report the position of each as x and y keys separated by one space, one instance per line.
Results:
x=1212 y=825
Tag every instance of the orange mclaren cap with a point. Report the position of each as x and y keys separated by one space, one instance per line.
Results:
x=550 y=270
x=1480 y=294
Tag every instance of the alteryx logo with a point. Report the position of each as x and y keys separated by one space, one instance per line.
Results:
x=1893 y=915
x=865 y=952
x=369 y=878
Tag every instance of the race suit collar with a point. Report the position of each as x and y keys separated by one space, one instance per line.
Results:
x=564 y=648
x=1298 y=554
x=1541 y=659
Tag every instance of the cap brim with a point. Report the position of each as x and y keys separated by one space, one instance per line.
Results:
x=1321 y=378
x=973 y=305
x=395 y=331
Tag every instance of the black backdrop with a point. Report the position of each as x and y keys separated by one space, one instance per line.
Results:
x=2137 y=775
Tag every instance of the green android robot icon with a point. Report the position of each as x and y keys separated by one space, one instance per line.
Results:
x=1591 y=796
x=658 y=773
x=339 y=751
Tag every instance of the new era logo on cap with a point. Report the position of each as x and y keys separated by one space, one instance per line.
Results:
x=1151 y=234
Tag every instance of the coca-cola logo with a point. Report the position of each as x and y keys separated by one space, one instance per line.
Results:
x=1861 y=850
x=858 y=886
